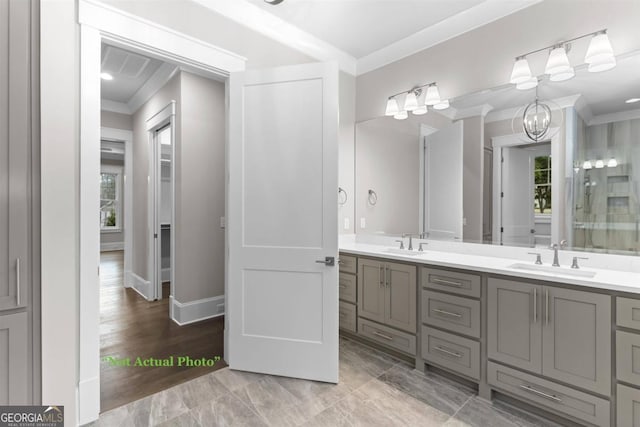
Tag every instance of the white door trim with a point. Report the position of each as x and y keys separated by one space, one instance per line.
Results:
x=125 y=136
x=100 y=23
x=512 y=140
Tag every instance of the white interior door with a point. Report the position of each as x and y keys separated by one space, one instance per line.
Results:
x=443 y=183
x=282 y=305
x=517 y=197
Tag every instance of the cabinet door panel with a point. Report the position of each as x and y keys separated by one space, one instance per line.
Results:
x=13 y=359
x=514 y=330
x=401 y=297
x=577 y=338
x=371 y=291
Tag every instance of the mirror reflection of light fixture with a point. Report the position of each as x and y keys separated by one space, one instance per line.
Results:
x=421 y=110
x=392 y=107
x=273 y=2
x=599 y=57
x=536 y=120
x=599 y=164
x=401 y=115
x=433 y=95
x=587 y=165
x=442 y=105
x=528 y=84
x=411 y=102
x=612 y=163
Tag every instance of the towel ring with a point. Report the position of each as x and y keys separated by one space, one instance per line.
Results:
x=342 y=200
x=373 y=198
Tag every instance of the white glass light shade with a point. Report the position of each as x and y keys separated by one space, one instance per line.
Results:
x=521 y=71
x=410 y=102
x=558 y=62
x=392 y=107
x=612 y=163
x=528 y=84
x=599 y=49
x=106 y=76
x=587 y=164
x=603 y=64
x=422 y=109
x=433 y=95
x=562 y=75
x=442 y=105
x=599 y=164
x=401 y=115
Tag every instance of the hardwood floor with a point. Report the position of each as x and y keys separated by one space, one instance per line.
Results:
x=132 y=327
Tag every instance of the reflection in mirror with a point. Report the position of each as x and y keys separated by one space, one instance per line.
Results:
x=470 y=174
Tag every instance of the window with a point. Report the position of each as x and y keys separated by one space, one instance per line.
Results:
x=110 y=199
x=542 y=185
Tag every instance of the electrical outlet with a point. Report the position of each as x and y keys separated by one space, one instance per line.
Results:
x=346 y=223
x=223 y=222
x=464 y=221
x=363 y=223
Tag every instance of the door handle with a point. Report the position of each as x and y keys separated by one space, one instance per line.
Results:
x=18 y=281
x=329 y=261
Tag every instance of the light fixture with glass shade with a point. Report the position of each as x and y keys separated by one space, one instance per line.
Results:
x=599 y=57
x=587 y=165
x=421 y=110
x=392 y=107
x=433 y=95
x=411 y=102
x=536 y=121
x=442 y=105
x=599 y=164
x=612 y=163
x=401 y=115
x=600 y=53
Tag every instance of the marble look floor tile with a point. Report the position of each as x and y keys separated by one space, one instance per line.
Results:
x=201 y=390
x=116 y=417
x=185 y=420
x=352 y=376
x=227 y=411
x=140 y=411
x=433 y=392
x=373 y=361
x=166 y=405
x=479 y=413
x=235 y=380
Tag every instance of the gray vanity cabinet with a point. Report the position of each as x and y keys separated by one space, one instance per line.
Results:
x=387 y=293
x=514 y=334
x=560 y=333
x=576 y=338
x=13 y=359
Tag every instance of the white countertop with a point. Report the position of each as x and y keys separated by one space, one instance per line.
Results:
x=613 y=280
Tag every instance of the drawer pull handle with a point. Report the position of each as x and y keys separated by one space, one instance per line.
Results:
x=540 y=393
x=447 y=313
x=447 y=283
x=386 y=337
x=18 y=281
x=450 y=353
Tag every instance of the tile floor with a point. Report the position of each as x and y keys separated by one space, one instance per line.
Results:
x=374 y=390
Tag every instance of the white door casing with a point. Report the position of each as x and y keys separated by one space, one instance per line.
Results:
x=282 y=305
x=443 y=196
x=517 y=197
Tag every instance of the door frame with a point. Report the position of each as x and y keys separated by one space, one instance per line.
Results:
x=513 y=140
x=102 y=23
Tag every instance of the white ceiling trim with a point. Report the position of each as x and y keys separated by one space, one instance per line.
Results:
x=277 y=29
x=564 y=102
x=114 y=106
x=151 y=86
x=615 y=117
x=470 y=19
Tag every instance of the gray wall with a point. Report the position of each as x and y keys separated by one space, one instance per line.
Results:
x=483 y=58
x=472 y=174
x=170 y=92
x=346 y=153
x=200 y=189
x=109 y=119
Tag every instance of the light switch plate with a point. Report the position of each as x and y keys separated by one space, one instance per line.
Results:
x=346 y=223
x=363 y=222
x=223 y=222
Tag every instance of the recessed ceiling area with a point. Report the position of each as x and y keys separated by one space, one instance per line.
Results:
x=361 y=27
x=136 y=78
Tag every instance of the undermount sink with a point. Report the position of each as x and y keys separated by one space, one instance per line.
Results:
x=553 y=270
x=403 y=252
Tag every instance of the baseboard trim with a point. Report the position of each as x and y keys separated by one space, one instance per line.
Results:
x=89 y=395
x=166 y=274
x=128 y=279
x=111 y=246
x=141 y=286
x=195 y=311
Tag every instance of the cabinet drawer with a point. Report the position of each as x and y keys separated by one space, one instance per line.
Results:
x=451 y=351
x=347 y=264
x=628 y=312
x=347 y=287
x=402 y=341
x=452 y=313
x=451 y=281
x=545 y=393
x=628 y=357
x=347 y=313
x=628 y=407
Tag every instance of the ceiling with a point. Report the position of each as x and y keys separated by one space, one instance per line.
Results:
x=599 y=93
x=135 y=79
x=362 y=35
x=361 y=27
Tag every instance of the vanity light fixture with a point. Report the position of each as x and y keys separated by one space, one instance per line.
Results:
x=412 y=102
x=612 y=163
x=527 y=84
x=599 y=57
x=587 y=165
x=632 y=100
x=599 y=164
x=273 y=2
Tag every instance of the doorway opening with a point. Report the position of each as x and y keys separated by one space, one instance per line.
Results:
x=148 y=336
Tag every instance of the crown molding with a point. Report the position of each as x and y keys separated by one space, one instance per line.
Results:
x=470 y=19
x=479 y=110
x=269 y=25
x=157 y=80
x=114 y=106
x=614 y=117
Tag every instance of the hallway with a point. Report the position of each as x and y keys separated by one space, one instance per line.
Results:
x=131 y=327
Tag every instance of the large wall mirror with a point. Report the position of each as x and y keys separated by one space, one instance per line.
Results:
x=470 y=174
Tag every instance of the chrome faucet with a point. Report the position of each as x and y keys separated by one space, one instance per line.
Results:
x=556 y=247
x=410 y=236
